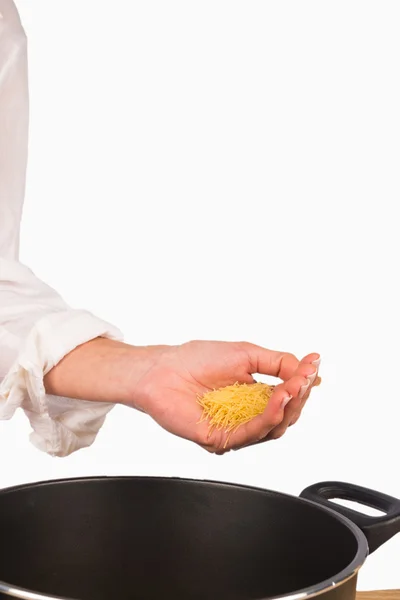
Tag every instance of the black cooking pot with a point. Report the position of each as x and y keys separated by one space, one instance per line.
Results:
x=125 y=538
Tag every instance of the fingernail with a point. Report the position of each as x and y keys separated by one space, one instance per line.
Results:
x=312 y=378
x=285 y=401
x=304 y=389
x=316 y=362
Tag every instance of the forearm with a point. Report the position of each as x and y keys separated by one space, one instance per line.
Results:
x=101 y=370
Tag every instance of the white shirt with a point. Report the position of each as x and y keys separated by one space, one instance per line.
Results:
x=37 y=328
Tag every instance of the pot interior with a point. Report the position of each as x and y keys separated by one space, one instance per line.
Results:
x=153 y=538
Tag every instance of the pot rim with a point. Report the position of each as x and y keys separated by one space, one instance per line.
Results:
x=340 y=578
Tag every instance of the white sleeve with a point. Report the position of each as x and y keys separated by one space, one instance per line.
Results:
x=37 y=328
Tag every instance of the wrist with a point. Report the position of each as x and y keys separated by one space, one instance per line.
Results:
x=101 y=370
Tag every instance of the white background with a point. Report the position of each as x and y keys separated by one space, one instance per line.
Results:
x=226 y=170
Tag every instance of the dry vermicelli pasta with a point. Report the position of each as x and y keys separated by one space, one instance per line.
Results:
x=230 y=407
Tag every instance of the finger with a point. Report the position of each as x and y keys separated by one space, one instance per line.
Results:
x=276 y=364
x=294 y=420
x=294 y=409
x=289 y=419
x=290 y=392
x=280 y=395
x=307 y=370
x=313 y=358
x=259 y=427
x=291 y=416
x=314 y=381
x=270 y=362
x=273 y=415
x=309 y=367
x=255 y=429
x=299 y=387
x=277 y=432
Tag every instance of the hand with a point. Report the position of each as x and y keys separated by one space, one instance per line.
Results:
x=165 y=382
x=169 y=390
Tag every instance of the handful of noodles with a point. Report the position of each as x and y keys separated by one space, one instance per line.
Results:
x=230 y=407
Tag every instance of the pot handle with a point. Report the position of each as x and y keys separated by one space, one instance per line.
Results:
x=377 y=530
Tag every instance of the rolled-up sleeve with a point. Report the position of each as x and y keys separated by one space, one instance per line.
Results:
x=37 y=328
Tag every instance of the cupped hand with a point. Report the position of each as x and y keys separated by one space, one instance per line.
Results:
x=175 y=376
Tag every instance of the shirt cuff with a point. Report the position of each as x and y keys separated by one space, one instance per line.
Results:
x=60 y=425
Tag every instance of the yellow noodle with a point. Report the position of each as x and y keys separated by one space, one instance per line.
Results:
x=230 y=407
